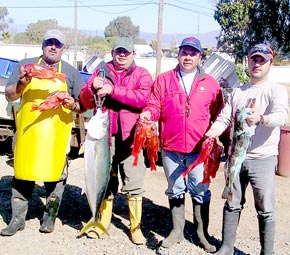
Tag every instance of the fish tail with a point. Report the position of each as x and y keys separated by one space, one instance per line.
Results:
x=206 y=180
x=153 y=166
x=135 y=162
x=183 y=174
x=92 y=223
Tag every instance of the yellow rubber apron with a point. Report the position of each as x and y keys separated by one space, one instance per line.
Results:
x=42 y=138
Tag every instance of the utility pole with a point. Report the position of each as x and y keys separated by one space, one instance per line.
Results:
x=159 y=39
x=75 y=34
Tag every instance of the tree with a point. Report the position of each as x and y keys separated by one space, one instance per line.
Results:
x=122 y=26
x=4 y=23
x=271 y=23
x=35 y=31
x=234 y=19
x=247 y=22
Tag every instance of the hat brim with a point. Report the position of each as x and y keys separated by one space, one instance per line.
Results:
x=129 y=49
x=265 y=56
x=190 y=45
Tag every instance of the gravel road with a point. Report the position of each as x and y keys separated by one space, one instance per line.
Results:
x=156 y=223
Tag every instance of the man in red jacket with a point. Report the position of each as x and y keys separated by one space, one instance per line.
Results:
x=125 y=89
x=185 y=100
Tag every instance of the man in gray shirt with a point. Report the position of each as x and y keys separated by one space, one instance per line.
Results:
x=266 y=107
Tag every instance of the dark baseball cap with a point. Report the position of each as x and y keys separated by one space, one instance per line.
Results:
x=124 y=42
x=192 y=42
x=263 y=50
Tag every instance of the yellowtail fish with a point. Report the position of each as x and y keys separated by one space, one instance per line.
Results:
x=241 y=141
x=97 y=166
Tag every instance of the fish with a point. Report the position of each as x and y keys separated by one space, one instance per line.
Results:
x=97 y=160
x=152 y=146
x=204 y=154
x=242 y=137
x=146 y=136
x=53 y=101
x=139 y=140
x=43 y=72
x=212 y=163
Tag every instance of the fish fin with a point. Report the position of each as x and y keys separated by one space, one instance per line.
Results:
x=187 y=171
x=34 y=107
x=82 y=149
x=90 y=225
x=61 y=76
x=227 y=193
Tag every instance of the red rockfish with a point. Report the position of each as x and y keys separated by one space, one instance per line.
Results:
x=43 y=72
x=51 y=102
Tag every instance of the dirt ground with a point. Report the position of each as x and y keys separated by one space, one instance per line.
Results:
x=156 y=222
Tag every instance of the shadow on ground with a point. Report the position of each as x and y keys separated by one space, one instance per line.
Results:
x=74 y=211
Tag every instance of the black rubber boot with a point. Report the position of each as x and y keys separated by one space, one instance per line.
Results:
x=201 y=221
x=267 y=234
x=178 y=219
x=49 y=215
x=55 y=191
x=230 y=225
x=19 y=206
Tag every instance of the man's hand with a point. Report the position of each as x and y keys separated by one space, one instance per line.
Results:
x=212 y=133
x=145 y=115
x=101 y=87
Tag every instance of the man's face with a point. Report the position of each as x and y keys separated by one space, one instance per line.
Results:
x=259 y=67
x=52 y=51
x=188 y=59
x=122 y=58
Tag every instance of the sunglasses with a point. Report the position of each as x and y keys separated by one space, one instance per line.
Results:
x=54 y=42
x=263 y=50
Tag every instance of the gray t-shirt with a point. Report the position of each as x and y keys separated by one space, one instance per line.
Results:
x=270 y=99
x=74 y=80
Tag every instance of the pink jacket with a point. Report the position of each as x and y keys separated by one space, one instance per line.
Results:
x=131 y=90
x=179 y=131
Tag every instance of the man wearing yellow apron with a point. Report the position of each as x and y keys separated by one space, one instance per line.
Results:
x=42 y=138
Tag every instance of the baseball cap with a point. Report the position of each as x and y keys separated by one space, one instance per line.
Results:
x=193 y=42
x=124 y=42
x=54 y=34
x=263 y=50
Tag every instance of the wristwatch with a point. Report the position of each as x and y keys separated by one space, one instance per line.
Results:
x=261 y=121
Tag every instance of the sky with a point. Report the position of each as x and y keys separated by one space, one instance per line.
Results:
x=179 y=16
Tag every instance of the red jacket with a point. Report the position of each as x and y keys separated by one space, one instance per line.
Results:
x=131 y=90
x=179 y=131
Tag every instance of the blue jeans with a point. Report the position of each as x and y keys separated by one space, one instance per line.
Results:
x=260 y=173
x=174 y=164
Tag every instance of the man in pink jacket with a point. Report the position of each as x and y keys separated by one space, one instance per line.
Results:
x=184 y=101
x=125 y=89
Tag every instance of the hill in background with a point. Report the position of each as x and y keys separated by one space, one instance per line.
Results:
x=206 y=39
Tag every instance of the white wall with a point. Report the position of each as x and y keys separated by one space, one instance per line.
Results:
x=280 y=74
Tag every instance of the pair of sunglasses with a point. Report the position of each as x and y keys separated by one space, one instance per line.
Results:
x=54 y=42
x=263 y=50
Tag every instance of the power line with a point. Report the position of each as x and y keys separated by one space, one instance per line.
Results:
x=92 y=7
